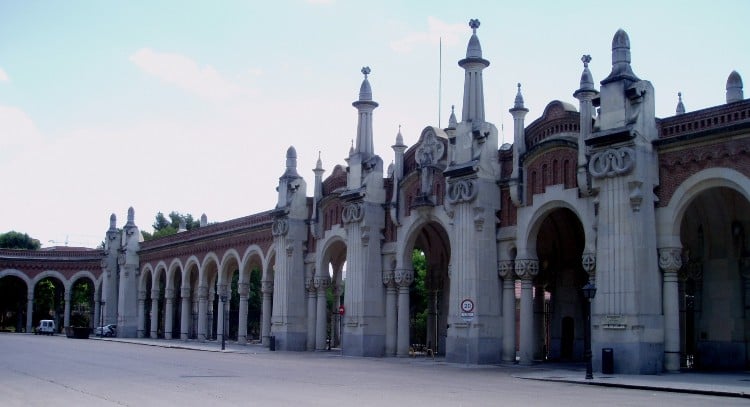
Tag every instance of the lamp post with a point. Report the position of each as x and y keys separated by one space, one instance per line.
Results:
x=101 y=318
x=223 y=321
x=589 y=291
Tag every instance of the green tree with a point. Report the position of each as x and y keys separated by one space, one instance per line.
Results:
x=18 y=240
x=164 y=226
x=418 y=297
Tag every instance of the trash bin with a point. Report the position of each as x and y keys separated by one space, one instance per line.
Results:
x=608 y=361
x=272 y=343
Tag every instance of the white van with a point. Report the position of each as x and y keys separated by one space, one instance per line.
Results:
x=46 y=327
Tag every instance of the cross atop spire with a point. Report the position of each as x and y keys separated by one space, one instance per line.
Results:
x=474 y=24
x=586 y=59
x=366 y=71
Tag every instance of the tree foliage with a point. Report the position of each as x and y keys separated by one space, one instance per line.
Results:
x=165 y=226
x=18 y=240
x=418 y=297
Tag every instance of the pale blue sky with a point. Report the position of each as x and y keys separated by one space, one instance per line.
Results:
x=190 y=106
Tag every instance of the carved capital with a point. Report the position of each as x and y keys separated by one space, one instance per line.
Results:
x=202 y=292
x=353 y=212
x=389 y=279
x=670 y=259
x=612 y=162
x=185 y=292
x=169 y=293
x=527 y=269
x=462 y=190
x=505 y=269
x=404 y=277
x=321 y=282
x=243 y=289
x=142 y=295
x=155 y=293
x=280 y=227
x=266 y=287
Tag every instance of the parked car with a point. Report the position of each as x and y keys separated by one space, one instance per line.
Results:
x=106 y=330
x=46 y=327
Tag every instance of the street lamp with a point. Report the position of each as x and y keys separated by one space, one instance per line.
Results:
x=589 y=291
x=101 y=318
x=223 y=321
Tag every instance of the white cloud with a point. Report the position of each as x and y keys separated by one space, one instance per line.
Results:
x=185 y=73
x=436 y=29
x=18 y=130
x=4 y=76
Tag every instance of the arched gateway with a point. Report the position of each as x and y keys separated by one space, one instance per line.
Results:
x=472 y=250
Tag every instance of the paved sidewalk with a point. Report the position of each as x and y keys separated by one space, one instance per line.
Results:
x=726 y=384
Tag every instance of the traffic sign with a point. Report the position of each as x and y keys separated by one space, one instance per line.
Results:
x=341 y=310
x=467 y=305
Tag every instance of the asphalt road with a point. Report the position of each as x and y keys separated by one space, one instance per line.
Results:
x=44 y=371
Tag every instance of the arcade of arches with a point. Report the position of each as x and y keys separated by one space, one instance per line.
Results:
x=462 y=247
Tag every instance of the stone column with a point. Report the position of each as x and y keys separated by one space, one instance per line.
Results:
x=391 y=321
x=168 y=313
x=97 y=312
x=210 y=298
x=202 y=312
x=220 y=332
x=311 y=299
x=745 y=272
x=404 y=278
x=670 y=261
x=526 y=269
x=185 y=313
x=141 y=314
x=243 y=290
x=321 y=318
x=506 y=272
x=154 y=313
x=66 y=316
x=29 y=310
x=539 y=322
x=267 y=291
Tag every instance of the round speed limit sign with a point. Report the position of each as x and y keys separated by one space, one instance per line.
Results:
x=467 y=305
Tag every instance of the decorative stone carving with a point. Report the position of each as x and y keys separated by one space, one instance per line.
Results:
x=169 y=293
x=429 y=152
x=352 y=212
x=527 y=269
x=404 y=277
x=289 y=249
x=280 y=227
x=142 y=295
x=463 y=190
x=478 y=218
x=612 y=162
x=202 y=292
x=365 y=235
x=389 y=279
x=309 y=285
x=505 y=269
x=636 y=195
x=243 y=289
x=588 y=261
x=321 y=282
x=185 y=292
x=670 y=259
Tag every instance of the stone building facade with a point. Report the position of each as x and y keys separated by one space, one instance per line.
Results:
x=654 y=211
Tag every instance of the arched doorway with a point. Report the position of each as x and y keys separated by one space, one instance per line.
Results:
x=558 y=302
x=13 y=300
x=713 y=287
x=82 y=303
x=49 y=301
x=429 y=293
x=330 y=284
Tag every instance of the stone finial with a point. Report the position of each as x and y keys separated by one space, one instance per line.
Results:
x=518 y=104
x=183 y=225
x=351 y=149
x=365 y=91
x=399 y=137
x=112 y=222
x=452 y=122
x=131 y=217
x=204 y=220
x=680 y=106
x=587 y=80
x=291 y=163
x=734 y=87
x=621 y=69
x=319 y=163
x=474 y=50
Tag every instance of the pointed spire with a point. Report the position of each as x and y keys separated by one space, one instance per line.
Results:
x=621 y=69
x=519 y=98
x=365 y=105
x=452 y=122
x=680 y=106
x=351 y=149
x=112 y=222
x=399 y=137
x=473 y=64
x=734 y=87
x=319 y=163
